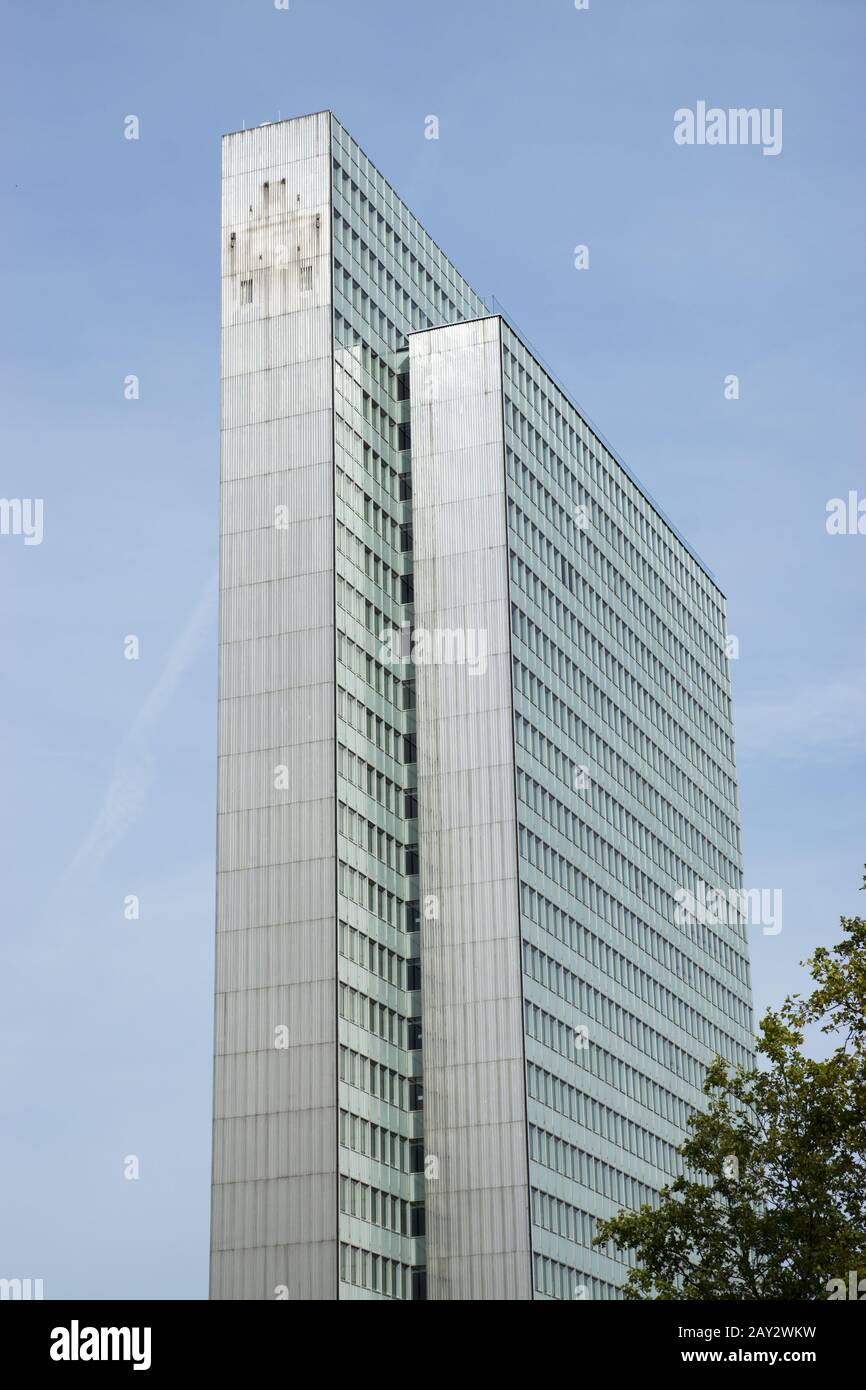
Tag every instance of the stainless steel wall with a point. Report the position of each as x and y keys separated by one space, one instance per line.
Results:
x=474 y=1088
x=274 y=1196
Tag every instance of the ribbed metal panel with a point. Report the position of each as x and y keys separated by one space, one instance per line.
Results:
x=475 y=1116
x=274 y=1206
x=251 y=449
x=297 y=142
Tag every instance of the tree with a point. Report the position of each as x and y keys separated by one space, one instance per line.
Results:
x=772 y=1199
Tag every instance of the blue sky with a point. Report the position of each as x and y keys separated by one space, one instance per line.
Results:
x=556 y=129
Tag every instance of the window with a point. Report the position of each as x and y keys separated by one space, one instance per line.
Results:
x=246 y=291
x=306 y=279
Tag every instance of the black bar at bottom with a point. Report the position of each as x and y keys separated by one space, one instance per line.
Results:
x=159 y=1338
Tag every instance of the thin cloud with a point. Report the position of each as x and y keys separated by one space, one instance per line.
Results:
x=133 y=773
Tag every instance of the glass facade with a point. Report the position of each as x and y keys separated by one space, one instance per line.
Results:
x=626 y=795
x=390 y=278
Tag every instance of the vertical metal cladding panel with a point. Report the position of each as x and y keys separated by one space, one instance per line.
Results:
x=475 y=1107
x=274 y=1173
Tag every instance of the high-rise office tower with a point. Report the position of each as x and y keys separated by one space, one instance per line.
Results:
x=475 y=746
